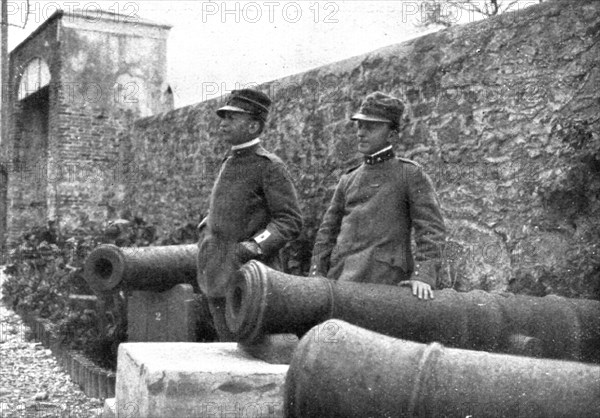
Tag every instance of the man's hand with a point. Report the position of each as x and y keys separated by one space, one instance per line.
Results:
x=247 y=250
x=420 y=289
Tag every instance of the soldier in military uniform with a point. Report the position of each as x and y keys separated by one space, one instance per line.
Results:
x=365 y=235
x=253 y=205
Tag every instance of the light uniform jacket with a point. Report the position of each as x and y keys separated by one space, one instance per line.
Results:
x=253 y=198
x=365 y=235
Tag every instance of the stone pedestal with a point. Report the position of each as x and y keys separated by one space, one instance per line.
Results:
x=156 y=380
x=162 y=316
x=110 y=410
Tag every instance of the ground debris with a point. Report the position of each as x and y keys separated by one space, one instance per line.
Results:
x=31 y=382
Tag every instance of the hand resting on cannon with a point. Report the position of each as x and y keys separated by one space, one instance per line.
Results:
x=420 y=289
x=248 y=250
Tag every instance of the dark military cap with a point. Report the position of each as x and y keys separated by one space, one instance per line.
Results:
x=248 y=101
x=380 y=107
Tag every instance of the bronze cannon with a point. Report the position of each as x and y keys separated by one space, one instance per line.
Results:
x=141 y=268
x=264 y=301
x=341 y=370
x=160 y=302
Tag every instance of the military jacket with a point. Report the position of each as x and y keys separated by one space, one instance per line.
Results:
x=252 y=198
x=365 y=235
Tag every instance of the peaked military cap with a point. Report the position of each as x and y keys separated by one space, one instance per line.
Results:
x=380 y=107
x=248 y=101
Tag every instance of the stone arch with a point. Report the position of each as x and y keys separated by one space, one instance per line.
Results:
x=35 y=76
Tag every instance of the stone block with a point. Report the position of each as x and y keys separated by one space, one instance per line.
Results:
x=110 y=410
x=272 y=348
x=162 y=316
x=158 y=380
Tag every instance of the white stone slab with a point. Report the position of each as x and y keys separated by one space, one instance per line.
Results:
x=156 y=380
x=110 y=410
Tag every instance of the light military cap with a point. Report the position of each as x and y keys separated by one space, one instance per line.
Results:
x=380 y=107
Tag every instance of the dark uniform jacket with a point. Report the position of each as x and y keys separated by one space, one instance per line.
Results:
x=253 y=198
x=365 y=235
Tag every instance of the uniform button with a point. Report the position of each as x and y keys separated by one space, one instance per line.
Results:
x=416 y=273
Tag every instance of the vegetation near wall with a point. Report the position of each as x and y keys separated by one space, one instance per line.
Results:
x=45 y=280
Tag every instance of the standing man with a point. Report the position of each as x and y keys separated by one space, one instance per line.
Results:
x=253 y=205
x=365 y=235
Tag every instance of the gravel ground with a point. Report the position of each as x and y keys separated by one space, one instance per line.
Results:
x=31 y=382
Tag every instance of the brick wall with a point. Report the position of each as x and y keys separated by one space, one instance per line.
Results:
x=112 y=73
x=63 y=150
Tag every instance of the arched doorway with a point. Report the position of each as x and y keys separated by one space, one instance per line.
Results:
x=30 y=147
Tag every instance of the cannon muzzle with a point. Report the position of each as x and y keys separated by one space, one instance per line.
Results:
x=141 y=268
x=354 y=372
x=262 y=301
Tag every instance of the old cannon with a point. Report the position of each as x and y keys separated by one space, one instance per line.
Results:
x=160 y=287
x=263 y=301
x=353 y=372
x=140 y=268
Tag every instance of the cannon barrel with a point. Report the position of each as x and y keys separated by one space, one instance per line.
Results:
x=263 y=301
x=141 y=268
x=353 y=372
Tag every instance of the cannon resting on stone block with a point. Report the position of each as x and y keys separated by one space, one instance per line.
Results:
x=163 y=304
x=353 y=372
x=262 y=301
x=140 y=268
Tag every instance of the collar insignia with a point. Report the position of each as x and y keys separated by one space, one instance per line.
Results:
x=379 y=158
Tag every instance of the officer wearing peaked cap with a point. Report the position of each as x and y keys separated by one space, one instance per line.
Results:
x=366 y=232
x=253 y=208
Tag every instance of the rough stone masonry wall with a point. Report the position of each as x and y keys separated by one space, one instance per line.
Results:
x=503 y=114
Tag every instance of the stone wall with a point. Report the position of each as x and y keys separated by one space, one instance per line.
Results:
x=491 y=109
